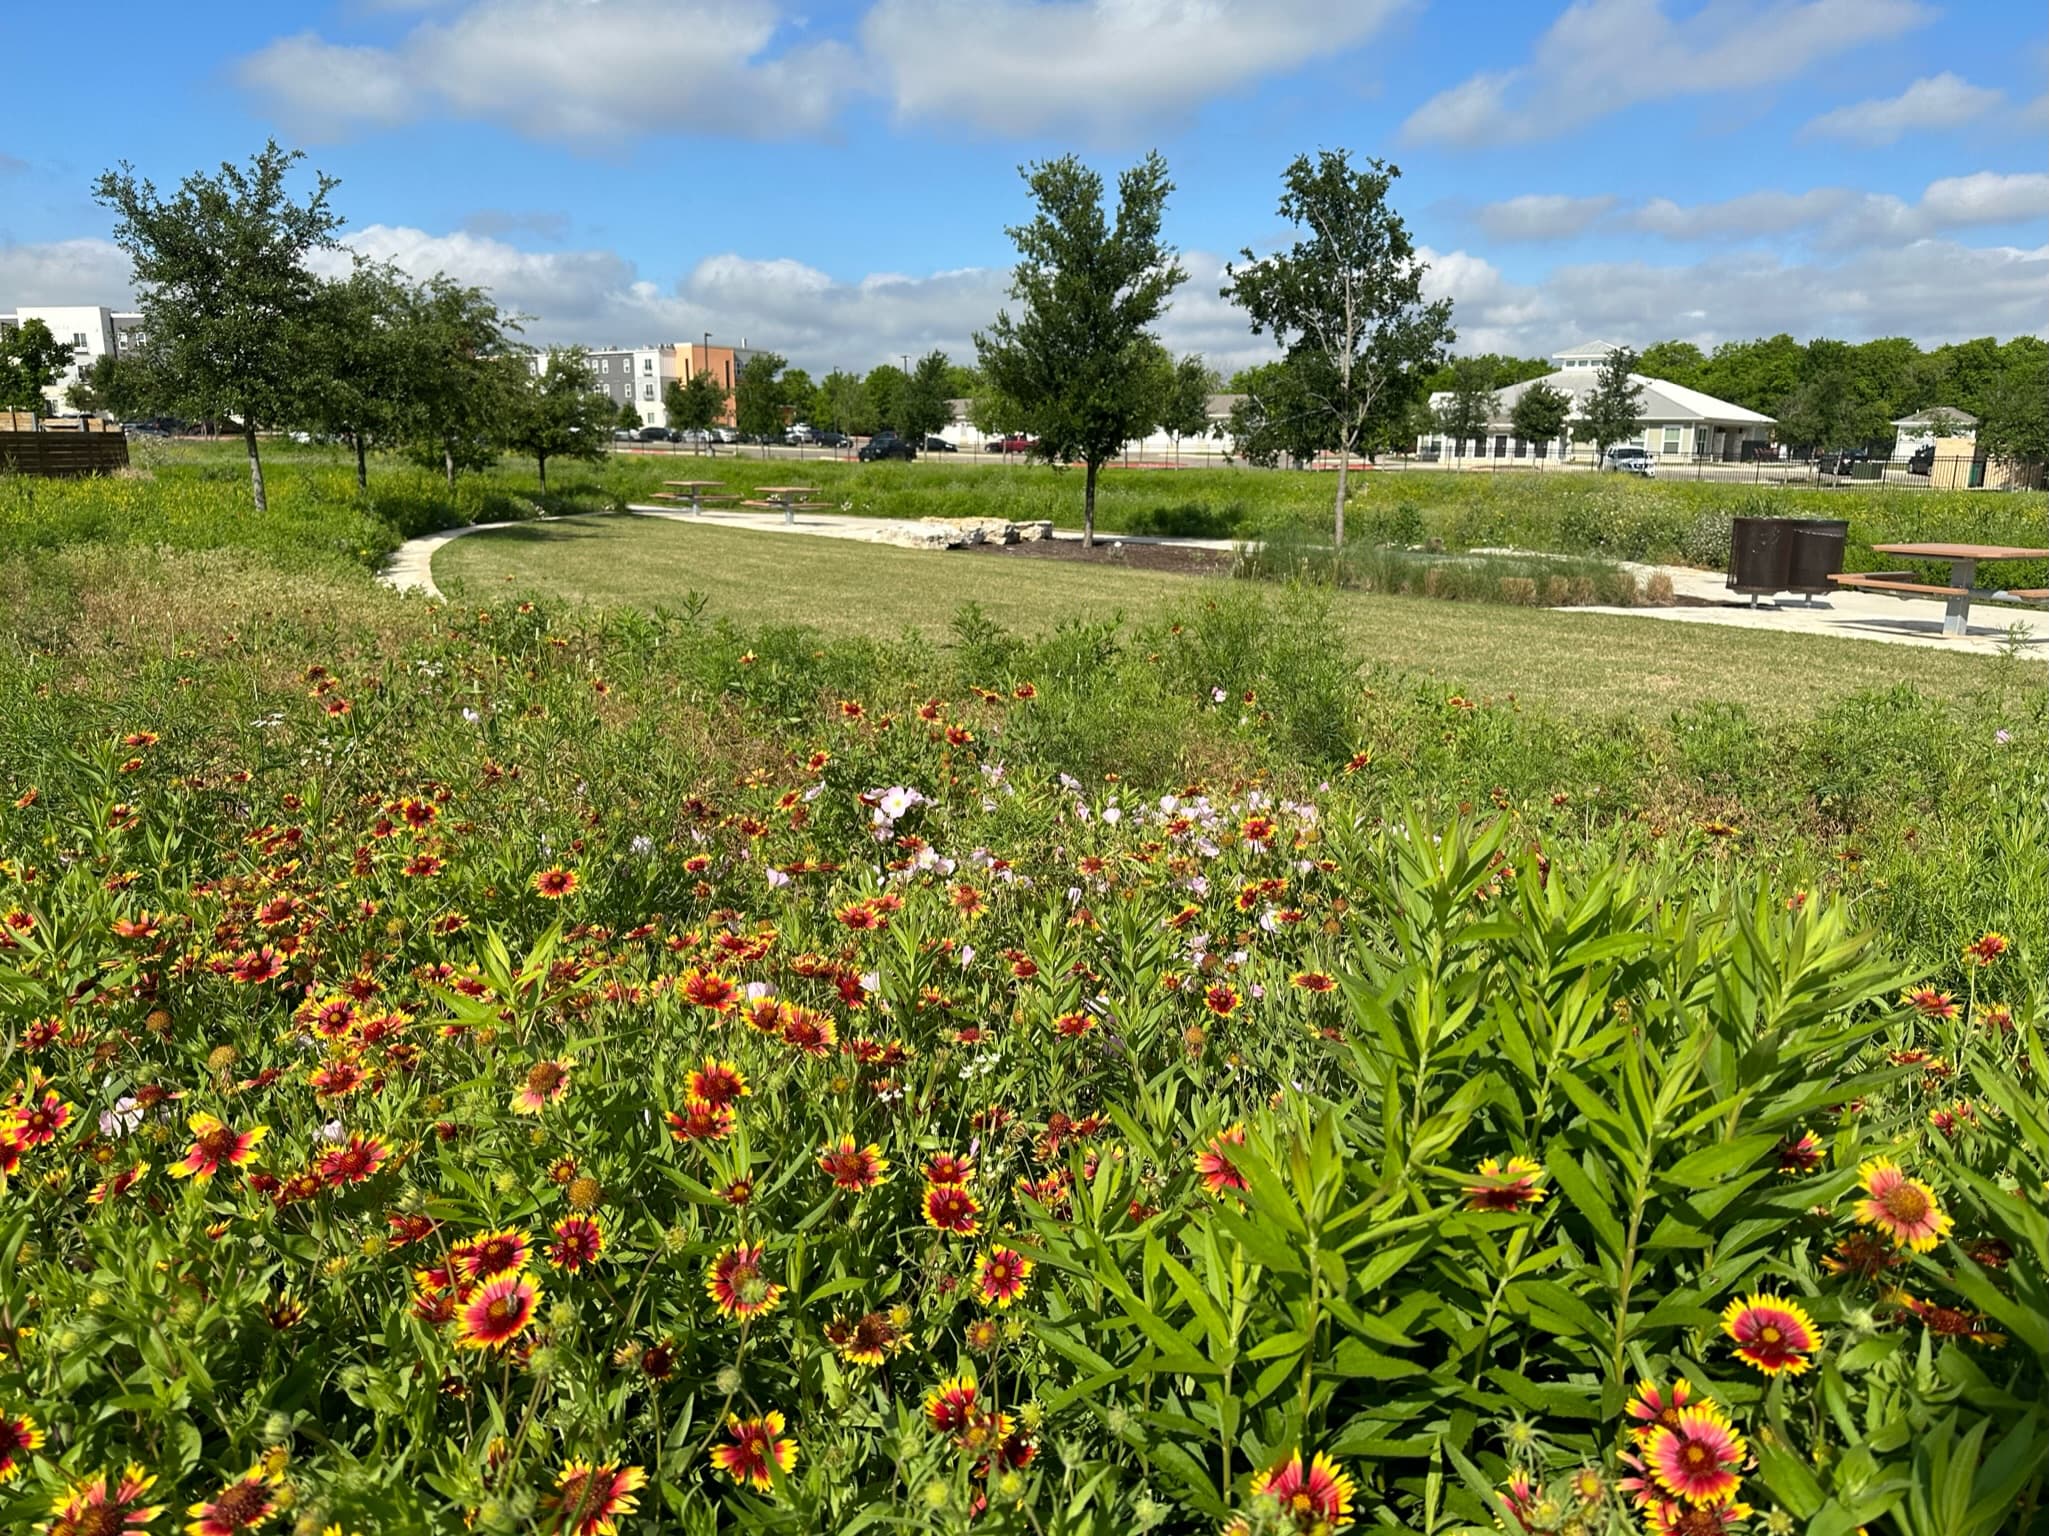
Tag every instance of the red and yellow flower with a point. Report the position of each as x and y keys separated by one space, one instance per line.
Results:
x=950 y=1208
x=717 y=1083
x=555 y=882
x=104 y=1506
x=590 y=1497
x=1001 y=1275
x=546 y=1082
x=1771 y=1334
x=490 y=1254
x=758 y=1445
x=854 y=1168
x=1316 y=1498
x=242 y=1505
x=1505 y=1186
x=214 y=1143
x=1214 y=1163
x=1698 y=1456
x=497 y=1312
x=19 y=1434
x=1904 y=1209
x=578 y=1242
x=736 y=1284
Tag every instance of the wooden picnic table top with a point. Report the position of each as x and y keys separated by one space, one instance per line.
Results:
x=1963 y=551
x=786 y=490
x=693 y=484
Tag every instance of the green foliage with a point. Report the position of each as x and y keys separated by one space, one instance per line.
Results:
x=1089 y=291
x=692 y=404
x=1541 y=413
x=558 y=412
x=1612 y=411
x=921 y=406
x=758 y=396
x=31 y=359
x=1472 y=404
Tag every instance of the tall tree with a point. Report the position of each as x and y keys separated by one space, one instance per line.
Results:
x=842 y=401
x=352 y=380
x=31 y=360
x=220 y=268
x=1088 y=292
x=97 y=387
x=1470 y=405
x=1834 y=406
x=758 y=396
x=1756 y=374
x=1185 y=389
x=458 y=391
x=922 y=407
x=883 y=390
x=1345 y=301
x=800 y=395
x=1676 y=362
x=1274 y=419
x=627 y=415
x=693 y=404
x=1613 y=409
x=1540 y=413
x=558 y=412
x=2015 y=426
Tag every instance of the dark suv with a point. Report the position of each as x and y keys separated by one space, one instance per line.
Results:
x=886 y=445
x=1922 y=460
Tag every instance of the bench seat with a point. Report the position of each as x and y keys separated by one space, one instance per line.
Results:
x=2029 y=594
x=1886 y=582
x=795 y=506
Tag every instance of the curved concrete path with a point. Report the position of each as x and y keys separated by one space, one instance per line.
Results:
x=1844 y=615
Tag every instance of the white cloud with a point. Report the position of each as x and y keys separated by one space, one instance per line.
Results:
x=1541 y=216
x=1095 y=69
x=1602 y=56
x=591 y=72
x=81 y=271
x=1939 y=101
x=1838 y=218
x=1987 y=198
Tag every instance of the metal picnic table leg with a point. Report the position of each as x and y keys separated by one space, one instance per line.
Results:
x=1956 y=613
x=789 y=511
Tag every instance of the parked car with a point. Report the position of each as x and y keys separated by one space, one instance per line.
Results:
x=1756 y=452
x=1922 y=460
x=939 y=445
x=1016 y=442
x=655 y=435
x=625 y=435
x=1628 y=459
x=1841 y=461
x=798 y=433
x=724 y=435
x=825 y=437
x=886 y=445
x=693 y=435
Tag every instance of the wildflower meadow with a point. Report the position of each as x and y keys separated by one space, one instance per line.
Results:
x=487 y=1066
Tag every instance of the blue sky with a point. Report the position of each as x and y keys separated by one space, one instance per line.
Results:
x=834 y=180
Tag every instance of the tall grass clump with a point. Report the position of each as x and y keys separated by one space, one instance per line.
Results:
x=1298 y=552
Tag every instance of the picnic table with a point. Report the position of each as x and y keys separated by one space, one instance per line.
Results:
x=1963 y=571
x=693 y=491
x=789 y=500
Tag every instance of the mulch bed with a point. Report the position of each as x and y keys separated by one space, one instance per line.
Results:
x=1128 y=557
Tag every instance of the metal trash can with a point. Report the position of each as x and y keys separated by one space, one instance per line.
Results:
x=1758 y=553
x=1815 y=553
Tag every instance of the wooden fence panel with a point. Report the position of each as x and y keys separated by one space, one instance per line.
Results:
x=63 y=453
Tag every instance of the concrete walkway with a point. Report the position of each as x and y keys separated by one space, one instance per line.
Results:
x=1843 y=615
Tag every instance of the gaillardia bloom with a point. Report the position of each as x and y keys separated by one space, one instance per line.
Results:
x=213 y=1144
x=1674 y=1517
x=491 y=1253
x=18 y=1436
x=1218 y=1172
x=497 y=1312
x=1904 y=1209
x=1508 y=1186
x=546 y=1082
x=1000 y=1276
x=243 y=1505
x=736 y=1284
x=589 y=1497
x=1316 y=1498
x=1771 y=1334
x=865 y=1340
x=578 y=1242
x=950 y=1208
x=1696 y=1457
x=950 y=1405
x=717 y=1083
x=100 y=1506
x=854 y=1167
x=555 y=883
x=756 y=1443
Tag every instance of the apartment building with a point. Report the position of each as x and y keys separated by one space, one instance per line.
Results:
x=93 y=330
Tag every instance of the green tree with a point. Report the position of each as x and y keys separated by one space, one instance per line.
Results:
x=1612 y=411
x=97 y=387
x=1273 y=419
x=1185 y=390
x=352 y=380
x=758 y=396
x=458 y=393
x=1345 y=301
x=996 y=414
x=1756 y=374
x=800 y=395
x=2015 y=426
x=225 y=292
x=31 y=360
x=1089 y=291
x=962 y=381
x=693 y=404
x=884 y=390
x=628 y=415
x=1470 y=405
x=1504 y=368
x=1676 y=362
x=1834 y=406
x=1887 y=376
x=843 y=400
x=922 y=407
x=558 y=412
x=1540 y=413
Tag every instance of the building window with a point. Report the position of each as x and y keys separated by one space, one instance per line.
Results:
x=1544 y=449
x=1522 y=449
x=78 y=339
x=647 y=391
x=647 y=365
x=1672 y=440
x=1501 y=445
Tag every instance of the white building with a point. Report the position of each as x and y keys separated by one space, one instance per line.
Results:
x=94 y=331
x=637 y=374
x=1918 y=430
x=1679 y=423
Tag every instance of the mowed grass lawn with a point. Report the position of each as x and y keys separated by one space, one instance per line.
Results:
x=1599 y=663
